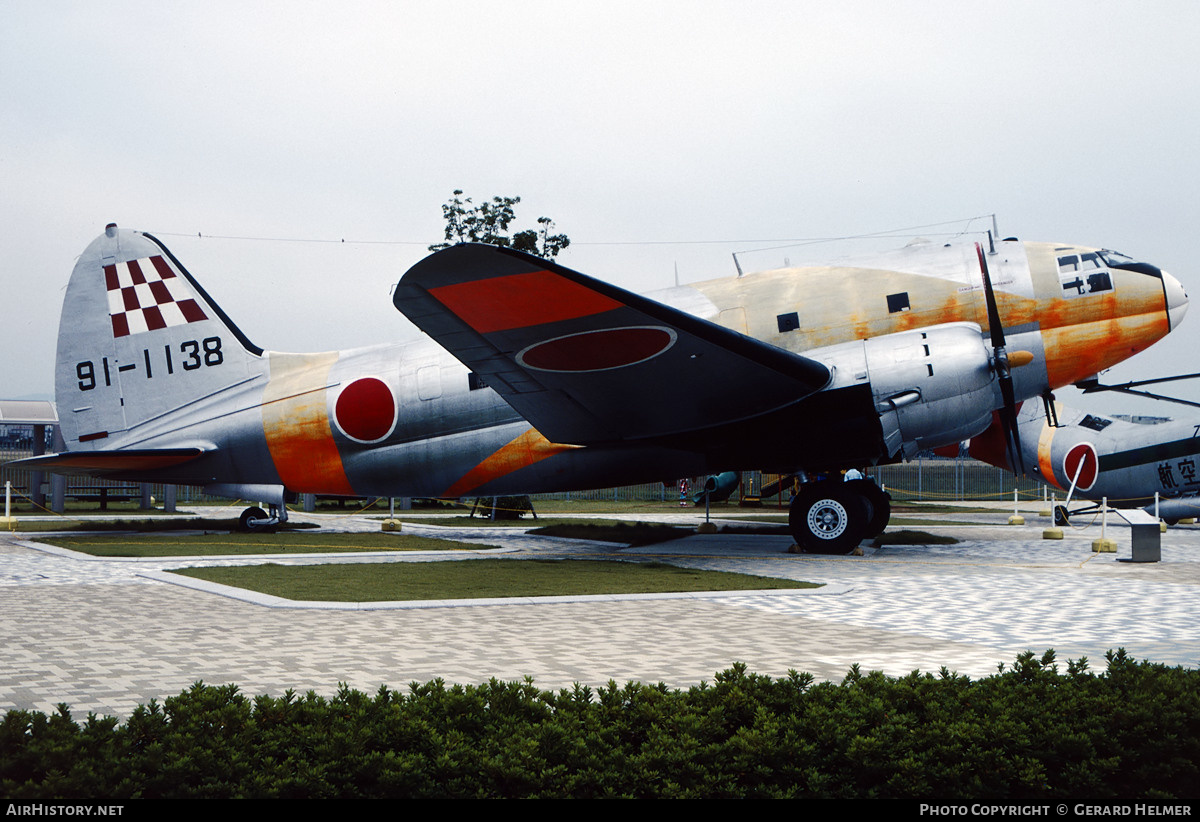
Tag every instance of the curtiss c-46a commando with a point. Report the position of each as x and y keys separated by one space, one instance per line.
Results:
x=538 y=378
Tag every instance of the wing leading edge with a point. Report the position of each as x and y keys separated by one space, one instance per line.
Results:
x=586 y=362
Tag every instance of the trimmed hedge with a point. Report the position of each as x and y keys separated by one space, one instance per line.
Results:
x=1026 y=732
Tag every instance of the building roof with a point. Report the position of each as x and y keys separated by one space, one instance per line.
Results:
x=27 y=412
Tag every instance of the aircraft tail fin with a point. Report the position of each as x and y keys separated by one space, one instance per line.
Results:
x=139 y=338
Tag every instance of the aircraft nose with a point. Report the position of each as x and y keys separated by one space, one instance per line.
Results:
x=1177 y=300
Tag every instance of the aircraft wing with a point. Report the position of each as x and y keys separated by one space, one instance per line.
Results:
x=586 y=362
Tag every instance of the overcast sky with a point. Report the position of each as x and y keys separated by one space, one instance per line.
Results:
x=648 y=131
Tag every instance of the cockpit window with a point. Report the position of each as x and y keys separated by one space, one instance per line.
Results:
x=1083 y=274
x=1116 y=260
x=1095 y=423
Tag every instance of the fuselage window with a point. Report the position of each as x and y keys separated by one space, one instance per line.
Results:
x=898 y=302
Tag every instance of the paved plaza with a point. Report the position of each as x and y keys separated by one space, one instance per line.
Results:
x=104 y=635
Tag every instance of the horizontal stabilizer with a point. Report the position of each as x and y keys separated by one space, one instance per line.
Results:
x=586 y=362
x=105 y=463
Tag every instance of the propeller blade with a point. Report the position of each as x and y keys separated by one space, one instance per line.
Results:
x=1008 y=412
x=1012 y=433
x=989 y=295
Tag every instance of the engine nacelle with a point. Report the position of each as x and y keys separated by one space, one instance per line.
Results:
x=931 y=387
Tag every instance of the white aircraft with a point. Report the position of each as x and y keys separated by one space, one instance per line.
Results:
x=1099 y=457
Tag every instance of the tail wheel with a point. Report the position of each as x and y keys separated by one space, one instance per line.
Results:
x=828 y=518
x=251 y=517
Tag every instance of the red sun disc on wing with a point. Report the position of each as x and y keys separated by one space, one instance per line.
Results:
x=598 y=350
x=366 y=410
x=1085 y=453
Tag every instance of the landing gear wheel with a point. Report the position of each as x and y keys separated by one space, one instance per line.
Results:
x=1061 y=516
x=879 y=506
x=253 y=513
x=827 y=518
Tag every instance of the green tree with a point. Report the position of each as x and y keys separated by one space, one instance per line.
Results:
x=487 y=222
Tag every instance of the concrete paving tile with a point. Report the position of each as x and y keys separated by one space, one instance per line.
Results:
x=107 y=635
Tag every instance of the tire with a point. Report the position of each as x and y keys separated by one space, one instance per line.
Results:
x=828 y=518
x=878 y=503
x=1061 y=516
x=253 y=512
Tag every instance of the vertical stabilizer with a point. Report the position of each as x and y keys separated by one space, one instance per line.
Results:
x=139 y=338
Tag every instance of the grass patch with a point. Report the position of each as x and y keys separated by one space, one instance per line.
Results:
x=464 y=521
x=760 y=529
x=895 y=520
x=479 y=578
x=935 y=508
x=241 y=544
x=524 y=522
x=76 y=507
x=148 y=524
x=912 y=538
x=579 y=506
x=633 y=534
x=923 y=521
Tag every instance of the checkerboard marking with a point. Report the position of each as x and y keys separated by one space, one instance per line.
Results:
x=146 y=294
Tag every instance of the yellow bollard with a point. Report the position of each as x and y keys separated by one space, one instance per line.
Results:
x=1103 y=545
x=7 y=519
x=1015 y=519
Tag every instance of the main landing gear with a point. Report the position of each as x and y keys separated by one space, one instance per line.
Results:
x=833 y=517
x=256 y=519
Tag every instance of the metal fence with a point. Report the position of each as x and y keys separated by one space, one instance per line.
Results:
x=81 y=487
x=939 y=478
x=927 y=478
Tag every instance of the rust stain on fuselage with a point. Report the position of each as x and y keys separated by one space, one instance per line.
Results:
x=296 y=424
x=527 y=449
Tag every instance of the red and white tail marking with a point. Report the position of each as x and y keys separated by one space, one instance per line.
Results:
x=146 y=295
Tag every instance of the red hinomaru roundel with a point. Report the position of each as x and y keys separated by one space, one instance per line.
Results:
x=365 y=411
x=1084 y=452
x=598 y=350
